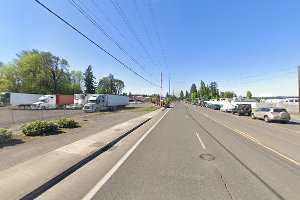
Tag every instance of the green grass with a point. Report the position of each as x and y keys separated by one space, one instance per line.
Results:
x=143 y=109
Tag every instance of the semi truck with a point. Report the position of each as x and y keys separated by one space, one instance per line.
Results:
x=80 y=100
x=18 y=99
x=53 y=101
x=100 y=102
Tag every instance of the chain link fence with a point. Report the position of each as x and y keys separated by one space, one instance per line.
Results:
x=13 y=115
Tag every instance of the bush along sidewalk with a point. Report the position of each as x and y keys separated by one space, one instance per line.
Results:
x=66 y=123
x=39 y=128
x=42 y=128
x=5 y=135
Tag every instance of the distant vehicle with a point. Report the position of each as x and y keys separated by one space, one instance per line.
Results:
x=18 y=99
x=242 y=109
x=227 y=107
x=53 y=102
x=216 y=107
x=80 y=100
x=271 y=114
x=167 y=105
x=99 y=102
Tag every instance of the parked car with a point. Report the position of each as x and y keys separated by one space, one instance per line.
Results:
x=271 y=114
x=242 y=109
x=167 y=105
x=216 y=107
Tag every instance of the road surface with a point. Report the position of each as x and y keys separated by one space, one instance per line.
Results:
x=188 y=152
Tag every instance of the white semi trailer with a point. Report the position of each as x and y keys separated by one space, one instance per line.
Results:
x=99 y=102
x=80 y=100
x=18 y=99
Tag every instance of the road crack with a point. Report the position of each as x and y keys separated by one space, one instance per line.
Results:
x=223 y=180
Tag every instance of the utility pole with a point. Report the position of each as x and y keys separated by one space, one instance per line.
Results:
x=161 y=79
x=299 y=87
x=169 y=86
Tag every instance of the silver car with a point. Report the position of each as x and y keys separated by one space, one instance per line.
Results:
x=271 y=114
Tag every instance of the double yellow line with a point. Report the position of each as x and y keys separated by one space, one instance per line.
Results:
x=251 y=138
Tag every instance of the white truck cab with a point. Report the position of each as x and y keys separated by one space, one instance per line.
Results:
x=45 y=102
x=93 y=104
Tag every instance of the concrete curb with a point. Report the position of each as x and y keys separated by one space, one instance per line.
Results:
x=31 y=178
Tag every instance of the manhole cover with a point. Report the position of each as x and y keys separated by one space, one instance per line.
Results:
x=207 y=157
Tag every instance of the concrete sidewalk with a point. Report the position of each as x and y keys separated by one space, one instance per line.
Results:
x=20 y=180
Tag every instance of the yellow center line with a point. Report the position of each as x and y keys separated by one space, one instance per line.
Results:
x=252 y=139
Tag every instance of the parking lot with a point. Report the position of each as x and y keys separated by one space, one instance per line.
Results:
x=10 y=116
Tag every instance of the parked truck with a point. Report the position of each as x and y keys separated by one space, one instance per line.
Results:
x=80 y=100
x=99 y=102
x=53 y=101
x=18 y=99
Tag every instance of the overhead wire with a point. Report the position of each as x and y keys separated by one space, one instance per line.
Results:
x=256 y=75
x=96 y=44
x=118 y=30
x=157 y=35
x=132 y=30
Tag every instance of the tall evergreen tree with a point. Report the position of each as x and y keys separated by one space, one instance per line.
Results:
x=181 y=94
x=89 y=80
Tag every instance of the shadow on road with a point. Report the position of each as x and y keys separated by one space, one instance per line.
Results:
x=12 y=142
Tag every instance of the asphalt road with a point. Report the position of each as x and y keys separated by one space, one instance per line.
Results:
x=169 y=163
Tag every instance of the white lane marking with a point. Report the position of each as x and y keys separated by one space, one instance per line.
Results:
x=252 y=138
x=201 y=141
x=98 y=186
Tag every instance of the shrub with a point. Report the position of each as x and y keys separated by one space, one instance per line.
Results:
x=38 y=128
x=5 y=135
x=66 y=123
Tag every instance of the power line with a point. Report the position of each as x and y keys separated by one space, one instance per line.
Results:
x=157 y=34
x=144 y=26
x=97 y=45
x=86 y=15
x=132 y=30
x=259 y=80
x=118 y=30
x=256 y=75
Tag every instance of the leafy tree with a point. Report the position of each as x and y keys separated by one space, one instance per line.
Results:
x=193 y=88
x=186 y=94
x=249 y=95
x=76 y=81
x=227 y=94
x=36 y=72
x=181 y=94
x=130 y=94
x=118 y=86
x=110 y=85
x=203 y=91
x=213 y=90
x=194 y=96
x=89 y=80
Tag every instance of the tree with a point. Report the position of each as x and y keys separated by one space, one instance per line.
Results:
x=76 y=81
x=193 y=88
x=89 y=80
x=213 y=90
x=181 y=94
x=110 y=85
x=118 y=86
x=186 y=94
x=194 y=96
x=227 y=94
x=249 y=95
x=36 y=72
x=203 y=92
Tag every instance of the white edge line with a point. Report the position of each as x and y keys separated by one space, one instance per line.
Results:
x=201 y=141
x=98 y=186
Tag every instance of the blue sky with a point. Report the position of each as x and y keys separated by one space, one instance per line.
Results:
x=210 y=40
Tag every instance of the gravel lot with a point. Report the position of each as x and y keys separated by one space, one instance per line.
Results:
x=10 y=116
